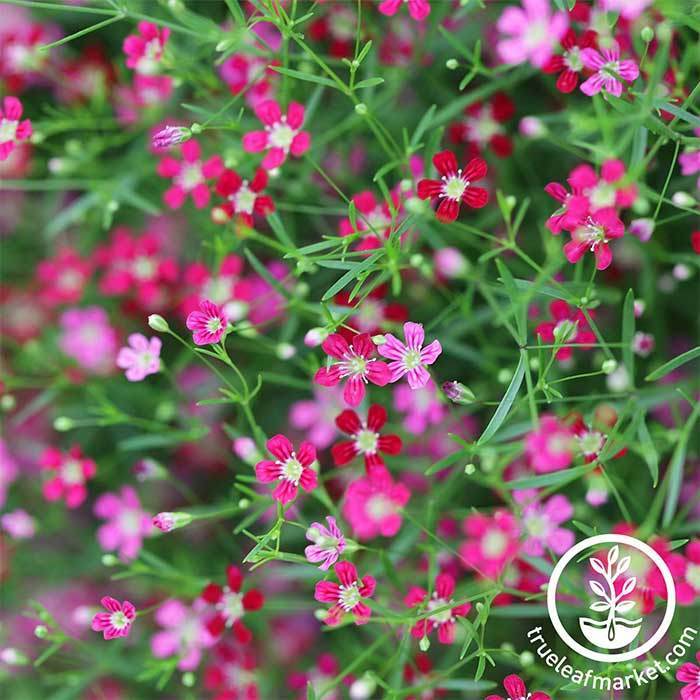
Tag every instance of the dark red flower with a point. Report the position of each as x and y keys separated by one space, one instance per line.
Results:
x=243 y=198
x=569 y=64
x=482 y=126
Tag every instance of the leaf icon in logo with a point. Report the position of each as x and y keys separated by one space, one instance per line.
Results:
x=628 y=587
x=613 y=554
x=600 y=606
x=625 y=605
x=598 y=589
x=622 y=566
x=597 y=565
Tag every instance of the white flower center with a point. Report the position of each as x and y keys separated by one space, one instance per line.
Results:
x=412 y=359
x=72 y=472
x=354 y=365
x=349 y=596
x=130 y=522
x=214 y=324
x=443 y=616
x=190 y=176
x=535 y=34
x=281 y=135
x=292 y=469
x=366 y=441
x=379 y=507
x=692 y=576
x=454 y=186
x=144 y=268
x=537 y=525
x=243 y=199
x=591 y=442
x=218 y=289
x=572 y=59
x=494 y=544
x=612 y=68
x=231 y=606
x=119 y=620
x=8 y=130
x=602 y=195
x=559 y=443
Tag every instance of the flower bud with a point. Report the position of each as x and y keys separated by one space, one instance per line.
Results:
x=527 y=658
x=361 y=109
x=188 y=679
x=378 y=339
x=40 y=631
x=470 y=468
x=683 y=199
x=363 y=688
x=285 y=351
x=451 y=64
x=532 y=127
x=8 y=402
x=642 y=228
x=243 y=503
x=63 y=423
x=458 y=393
x=315 y=336
x=564 y=330
x=245 y=448
x=170 y=136
x=639 y=308
x=109 y=560
x=450 y=263
x=167 y=522
x=609 y=366
x=13 y=657
x=158 y=323
x=424 y=643
x=149 y=470
x=647 y=34
x=196 y=128
x=682 y=272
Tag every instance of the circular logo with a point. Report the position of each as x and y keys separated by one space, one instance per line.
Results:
x=611 y=584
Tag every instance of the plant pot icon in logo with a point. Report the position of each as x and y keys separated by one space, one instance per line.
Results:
x=615 y=631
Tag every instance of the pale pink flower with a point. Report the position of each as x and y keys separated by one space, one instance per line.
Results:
x=144 y=50
x=317 y=416
x=116 y=622
x=127 y=523
x=540 y=523
x=410 y=358
x=140 y=358
x=608 y=70
x=531 y=32
x=422 y=407
x=282 y=134
x=328 y=543
x=208 y=324
x=629 y=9
x=88 y=338
x=18 y=524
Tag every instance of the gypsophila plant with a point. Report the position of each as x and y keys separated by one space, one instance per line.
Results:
x=329 y=327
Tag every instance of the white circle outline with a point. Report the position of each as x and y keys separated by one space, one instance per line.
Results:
x=617 y=539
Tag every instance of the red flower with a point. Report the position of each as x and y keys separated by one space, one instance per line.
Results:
x=569 y=326
x=366 y=438
x=354 y=361
x=441 y=600
x=569 y=63
x=231 y=604
x=454 y=185
x=482 y=126
x=243 y=198
x=515 y=687
x=231 y=675
x=292 y=469
x=346 y=597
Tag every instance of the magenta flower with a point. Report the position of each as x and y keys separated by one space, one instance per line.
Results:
x=12 y=130
x=690 y=673
x=551 y=446
x=140 y=358
x=127 y=523
x=532 y=32
x=116 y=622
x=608 y=70
x=70 y=471
x=422 y=407
x=373 y=505
x=282 y=134
x=355 y=362
x=328 y=543
x=410 y=358
x=317 y=416
x=517 y=691
x=208 y=324
x=88 y=338
x=18 y=524
x=594 y=233
x=444 y=620
x=492 y=542
x=346 y=597
x=189 y=176
x=144 y=50
x=291 y=469
x=418 y=9
x=541 y=526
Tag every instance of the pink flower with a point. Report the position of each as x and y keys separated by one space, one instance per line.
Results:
x=594 y=233
x=410 y=358
x=328 y=543
x=373 y=505
x=116 y=622
x=9 y=470
x=12 y=130
x=366 y=439
x=208 y=324
x=127 y=523
x=492 y=542
x=444 y=620
x=422 y=406
x=185 y=634
x=140 y=358
x=317 y=416
x=189 y=176
x=608 y=69
x=551 y=446
x=230 y=605
x=418 y=9
x=531 y=32
x=291 y=469
x=355 y=362
x=643 y=344
x=455 y=185
x=70 y=471
x=691 y=576
x=18 y=524
x=540 y=523
x=63 y=277
x=346 y=597
x=88 y=338
x=569 y=63
x=282 y=134
x=243 y=199
x=144 y=50
x=608 y=190
x=569 y=326
x=515 y=687
x=690 y=673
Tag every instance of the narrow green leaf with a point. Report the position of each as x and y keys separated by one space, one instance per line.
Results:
x=648 y=450
x=369 y=82
x=563 y=476
x=628 y=334
x=504 y=407
x=351 y=275
x=682 y=114
x=423 y=125
x=516 y=299
x=306 y=77
x=669 y=366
